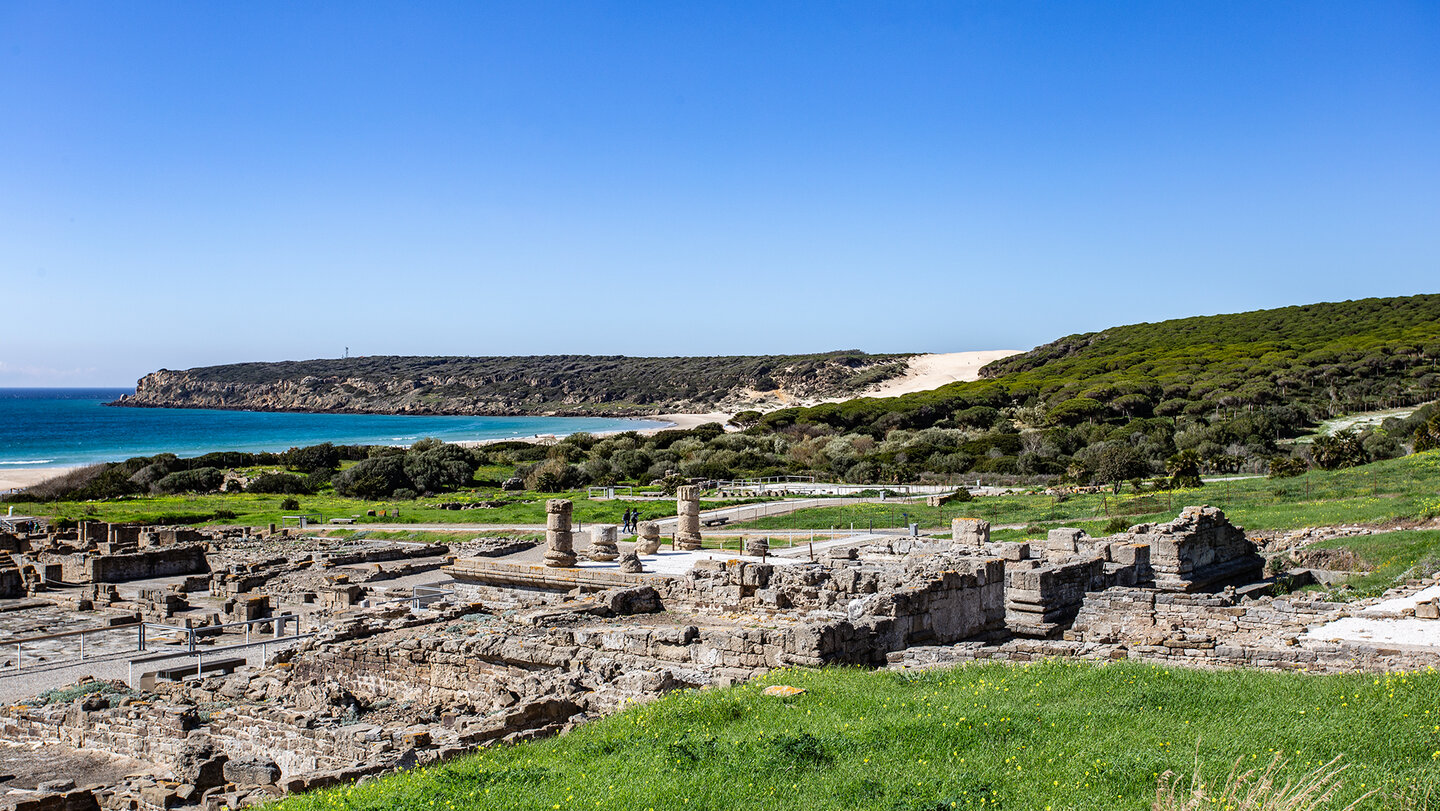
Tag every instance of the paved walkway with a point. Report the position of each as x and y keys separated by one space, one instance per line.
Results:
x=15 y=686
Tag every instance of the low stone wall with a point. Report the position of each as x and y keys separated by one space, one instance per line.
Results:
x=1194 y=630
x=90 y=567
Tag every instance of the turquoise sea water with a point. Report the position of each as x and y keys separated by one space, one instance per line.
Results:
x=63 y=427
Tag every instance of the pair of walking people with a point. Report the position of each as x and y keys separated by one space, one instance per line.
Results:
x=632 y=521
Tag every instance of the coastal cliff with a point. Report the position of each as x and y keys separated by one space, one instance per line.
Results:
x=550 y=385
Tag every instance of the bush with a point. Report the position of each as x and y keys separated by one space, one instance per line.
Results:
x=1284 y=467
x=280 y=483
x=199 y=480
x=324 y=456
x=375 y=478
x=403 y=494
x=292 y=504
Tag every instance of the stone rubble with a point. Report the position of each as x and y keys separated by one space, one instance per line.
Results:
x=517 y=648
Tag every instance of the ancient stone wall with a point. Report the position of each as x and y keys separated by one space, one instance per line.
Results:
x=90 y=567
x=1199 y=551
x=1042 y=596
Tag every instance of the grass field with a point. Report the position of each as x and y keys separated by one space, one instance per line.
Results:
x=1043 y=736
x=259 y=510
x=1396 y=488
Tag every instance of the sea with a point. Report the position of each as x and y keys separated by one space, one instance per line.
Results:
x=70 y=427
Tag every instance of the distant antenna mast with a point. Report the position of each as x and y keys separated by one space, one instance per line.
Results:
x=347 y=351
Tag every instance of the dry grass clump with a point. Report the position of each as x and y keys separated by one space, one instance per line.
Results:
x=1252 y=790
x=64 y=483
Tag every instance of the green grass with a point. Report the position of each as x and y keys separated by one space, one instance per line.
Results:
x=1396 y=488
x=428 y=536
x=1389 y=557
x=259 y=510
x=1048 y=735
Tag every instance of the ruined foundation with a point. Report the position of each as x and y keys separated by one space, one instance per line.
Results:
x=510 y=648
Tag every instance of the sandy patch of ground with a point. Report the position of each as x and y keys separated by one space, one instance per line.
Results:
x=687 y=420
x=1366 y=419
x=26 y=477
x=929 y=372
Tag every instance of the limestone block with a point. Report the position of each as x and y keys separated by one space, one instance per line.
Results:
x=969 y=532
x=559 y=542
x=1064 y=539
x=1015 y=551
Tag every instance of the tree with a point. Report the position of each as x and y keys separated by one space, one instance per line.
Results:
x=440 y=467
x=199 y=480
x=1334 y=451
x=745 y=419
x=282 y=483
x=1119 y=462
x=377 y=477
x=324 y=456
x=1427 y=436
x=1074 y=411
x=1184 y=469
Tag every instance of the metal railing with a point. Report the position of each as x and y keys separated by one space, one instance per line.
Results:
x=190 y=635
x=81 y=633
x=421 y=594
x=201 y=652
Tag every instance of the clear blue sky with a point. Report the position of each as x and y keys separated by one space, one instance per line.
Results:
x=188 y=183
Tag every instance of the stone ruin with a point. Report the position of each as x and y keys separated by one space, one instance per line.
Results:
x=532 y=642
x=603 y=545
x=687 y=507
x=647 y=540
x=559 y=539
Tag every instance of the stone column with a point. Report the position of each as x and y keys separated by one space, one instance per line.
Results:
x=559 y=540
x=969 y=532
x=602 y=542
x=687 y=504
x=647 y=542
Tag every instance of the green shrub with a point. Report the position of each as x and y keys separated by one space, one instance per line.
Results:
x=279 y=484
x=199 y=480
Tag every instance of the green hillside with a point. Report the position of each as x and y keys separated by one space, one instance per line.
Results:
x=1119 y=404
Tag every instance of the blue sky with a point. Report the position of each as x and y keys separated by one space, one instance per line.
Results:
x=187 y=183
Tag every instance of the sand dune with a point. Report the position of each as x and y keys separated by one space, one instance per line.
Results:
x=928 y=372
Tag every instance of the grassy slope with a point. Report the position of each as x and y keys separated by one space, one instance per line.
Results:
x=1395 y=488
x=1049 y=735
x=1389 y=557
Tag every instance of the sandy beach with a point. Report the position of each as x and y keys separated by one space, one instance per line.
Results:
x=25 y=477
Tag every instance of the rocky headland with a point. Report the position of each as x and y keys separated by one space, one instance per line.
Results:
x=549 y=385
